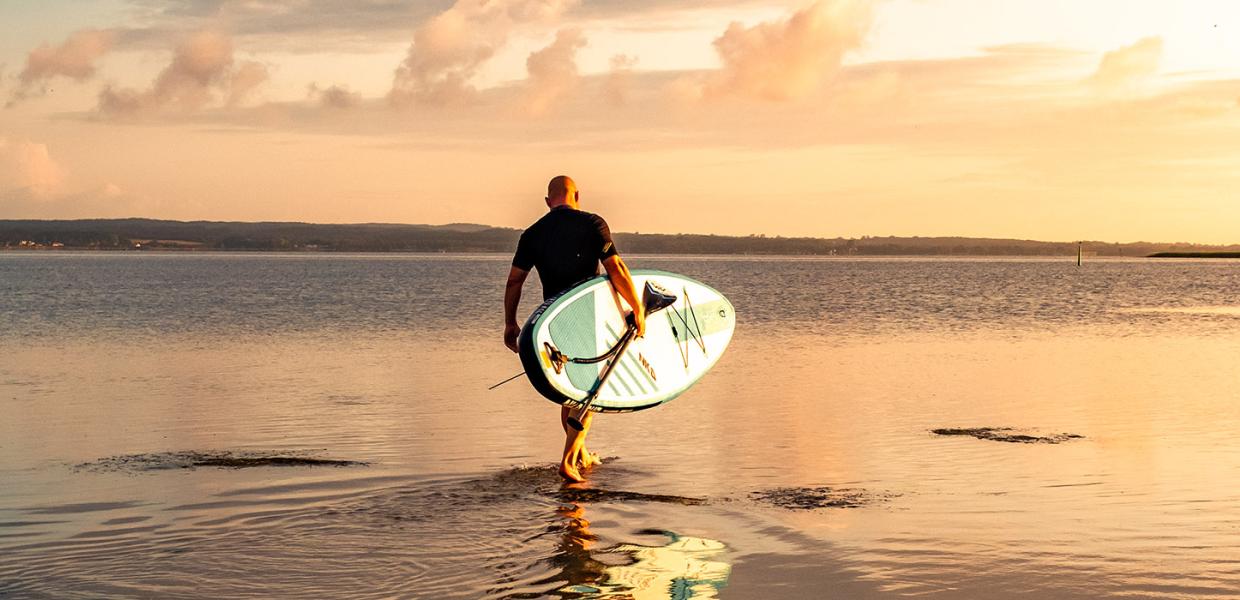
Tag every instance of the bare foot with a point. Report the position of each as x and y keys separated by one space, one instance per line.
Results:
x=570 y=473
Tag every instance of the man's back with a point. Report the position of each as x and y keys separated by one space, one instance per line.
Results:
x=565 y=245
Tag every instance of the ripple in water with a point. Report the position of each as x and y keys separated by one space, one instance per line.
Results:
x=519 y=533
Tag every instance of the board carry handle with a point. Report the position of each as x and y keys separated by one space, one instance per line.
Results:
x=654 y=299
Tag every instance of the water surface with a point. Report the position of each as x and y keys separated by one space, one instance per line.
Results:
x=116 y=367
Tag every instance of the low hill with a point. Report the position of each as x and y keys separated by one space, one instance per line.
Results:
x=153 y=234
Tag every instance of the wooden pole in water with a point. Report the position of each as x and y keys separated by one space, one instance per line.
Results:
x=1078 y=253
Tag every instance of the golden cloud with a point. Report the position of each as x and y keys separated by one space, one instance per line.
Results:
x=788 y=59
x=28 y=166
x=552 y=71
x=449 y=48
x=201 y=71
x=1125 y=67
x=74 y=58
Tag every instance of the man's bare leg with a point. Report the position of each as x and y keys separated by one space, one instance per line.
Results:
x=574 y=445
x=583 y=458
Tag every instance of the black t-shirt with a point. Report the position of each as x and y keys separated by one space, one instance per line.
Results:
x=565 y=246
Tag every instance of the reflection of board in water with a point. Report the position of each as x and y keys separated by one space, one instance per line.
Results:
x=681 y=569
x=685 y=567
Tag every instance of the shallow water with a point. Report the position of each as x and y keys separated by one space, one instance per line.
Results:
x=114 y=367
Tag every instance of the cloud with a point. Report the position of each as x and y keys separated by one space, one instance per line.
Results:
x=74 y=58
x=201 y=70
x=553 y=71
x=33 y=184
x=1122 y=68
x=111 y=190
x=788 y=59
x=619 y=80
x=1002 y=101
x=315 y=25
x=105 y=201
x=335 y=97
x=247 y=78
x=300 y=26
x=28 y=166
x=449 y=48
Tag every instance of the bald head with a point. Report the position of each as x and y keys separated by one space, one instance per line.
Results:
x=562 y=190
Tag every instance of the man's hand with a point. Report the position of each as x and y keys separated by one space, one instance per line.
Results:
x=639 y=319
x=512 y=297
x=511 y=332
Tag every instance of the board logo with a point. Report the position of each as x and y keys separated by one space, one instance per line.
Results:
x=646 y=365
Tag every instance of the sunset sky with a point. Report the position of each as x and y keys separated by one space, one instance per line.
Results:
x=1114 y=120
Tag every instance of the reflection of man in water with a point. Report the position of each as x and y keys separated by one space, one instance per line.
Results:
x=566 y=246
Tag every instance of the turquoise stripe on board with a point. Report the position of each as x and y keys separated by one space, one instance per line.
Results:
x=633 y=363
x=573 y=332
x=615 y=374
x=624 y=364
x=646 y=376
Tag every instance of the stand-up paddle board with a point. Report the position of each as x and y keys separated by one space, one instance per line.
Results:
x=577 y=348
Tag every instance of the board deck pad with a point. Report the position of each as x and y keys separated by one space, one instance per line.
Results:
x=682 y=342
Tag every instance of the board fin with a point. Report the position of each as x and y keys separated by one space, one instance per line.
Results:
x=656 y=298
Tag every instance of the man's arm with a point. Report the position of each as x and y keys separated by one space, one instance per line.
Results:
x=512 y=298
x=622 y=281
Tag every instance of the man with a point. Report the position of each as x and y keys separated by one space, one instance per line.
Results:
x=566 y=246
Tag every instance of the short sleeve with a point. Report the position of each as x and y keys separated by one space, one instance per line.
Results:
x=607 y=248
x=524 y=258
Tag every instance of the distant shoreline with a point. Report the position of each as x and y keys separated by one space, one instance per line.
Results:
x=220 y=236
x=505 y=254
x=1195 y=255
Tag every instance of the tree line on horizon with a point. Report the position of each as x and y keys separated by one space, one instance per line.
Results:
x=152 y=234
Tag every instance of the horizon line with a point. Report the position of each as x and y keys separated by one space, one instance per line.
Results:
x=501 y=227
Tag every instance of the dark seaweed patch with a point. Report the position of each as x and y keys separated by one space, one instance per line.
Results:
x=545 y=481
x=810 y=498
x=225 y=459
x=244 y=462
x=1007 y=434
x=597 y=495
